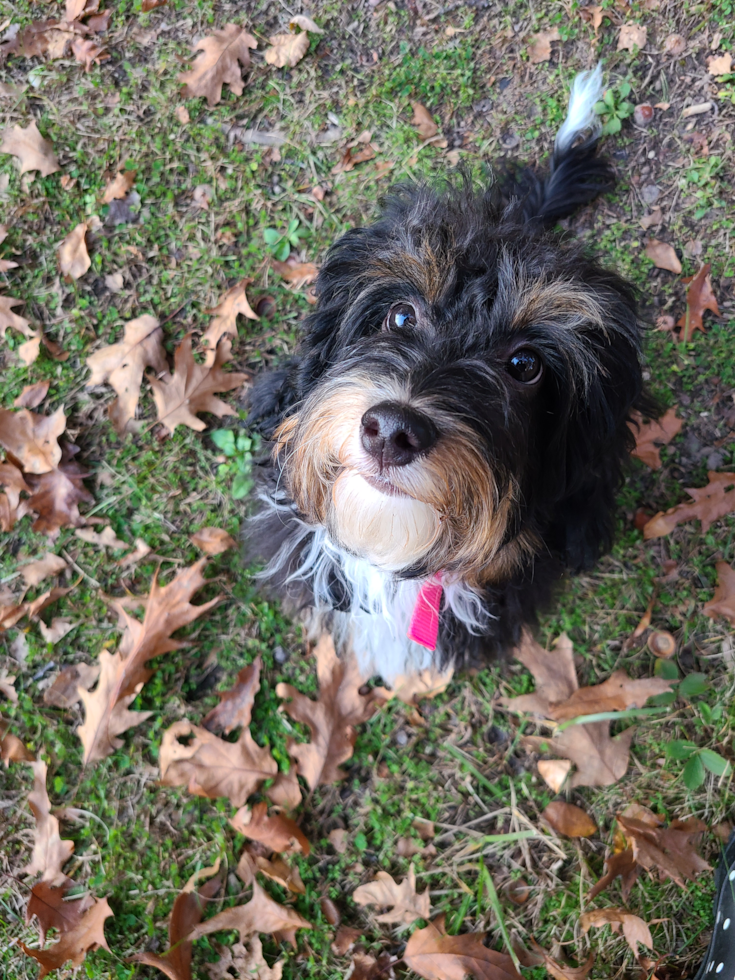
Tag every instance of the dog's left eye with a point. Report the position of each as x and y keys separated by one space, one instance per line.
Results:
x=400 y=315
x=525 y=366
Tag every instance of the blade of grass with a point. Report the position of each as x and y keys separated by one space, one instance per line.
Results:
x=482 y=780
x=495 y=905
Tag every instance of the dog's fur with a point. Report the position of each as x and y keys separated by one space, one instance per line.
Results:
x=519 y=483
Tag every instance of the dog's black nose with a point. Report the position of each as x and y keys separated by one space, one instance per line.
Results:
x=395 y=435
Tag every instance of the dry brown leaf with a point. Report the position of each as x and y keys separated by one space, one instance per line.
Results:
x=247 y=963
x=218 y=63
x=434 y=955
x=539 y=47
x=593 y=15
x=650 y=436
x=554 y=772
x=235 y=707
x=33 y=151
x=618 y=864
x=708 y=504
x=191 y=389
x=74 y=258
x=344 y=939
x=352 y=156
x=185 y=915
x=674 y=45
x=57 y=630
x=632 y=36
x=570 y=820
x=634 y=929
x=86 y=935
x=64 y=692
x=140 y=551
x=338 y=840
x=403 y=901
x=424 y=121
x=123 y=673
x=412 y=688
x=287 y=50
x=50 y=852
x=12 y=320
x=57 y=494
x=12 y=508
x=32 y=438
x=723 y=601
x=47 y=903
x=122 y=365
x=6 y=264
x=260 y=914
x=670 y=849
x=234 y=302
x=34 y=608
x=332 y=719
x=106 y=538
x=32 y=395
x=700 y=297
x=560 y=971
x=663 y=256
x=7 y=686
x=297 y=273
x=277 y=870
x=182 y=114
x=11 y=747
x=119 y=186
x=305 y=23
x=212 y=540
x=36 y=571
x=720 y=64
x=88 y=52
x=276 y=831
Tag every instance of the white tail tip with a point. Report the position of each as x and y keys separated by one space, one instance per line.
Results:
x=581 y=117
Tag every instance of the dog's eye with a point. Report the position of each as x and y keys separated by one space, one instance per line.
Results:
x=525 y=366
x=400 y=315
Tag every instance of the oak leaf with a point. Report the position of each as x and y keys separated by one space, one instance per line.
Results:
x=708 y=504
x=123 y=673
x=554 y=772
x=650 y=436
x=570 y=820
x=50 y=852
x=88 y=52
x=434 y=955
x=6 y=265
x=663 y=256
x=119 y=186
x=277 y=870
x=632 y=36
x=235 y=706
x=723 y=601
x=11 y=747
x=560 y=971
x=332 y=719
x=218 y=63
x=122 y=365
x=12 y=320
x=260 y=914
x=539 y=48
x=88 y=934
x=305 y=23
x=297 y=273
x=276 y=831
x=404 y=903
x=36 y=571
x=412 y=688
x=57 y=630
x=423 y=121
x=33 y=151
x=245 y=961
x=12 y=509
x=74 y=258
x=212 y=540
x=49 y=905
x=634 y=928
x=619 y=864
x=57 y=494
x=106 y=538
x=670 y=849
x=32 y=395
x=32 y=438
x=191 y=389
x=185 y=916
x=700 y=297
x=287 y=50
x=64 y=692
x=225 y=313
x=7 y=686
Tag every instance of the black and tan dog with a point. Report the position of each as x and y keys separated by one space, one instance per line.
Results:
x=450 y=435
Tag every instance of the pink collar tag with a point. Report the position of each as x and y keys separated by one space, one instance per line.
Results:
x=424 y=628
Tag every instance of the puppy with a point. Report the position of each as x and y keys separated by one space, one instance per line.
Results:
x=449 y=437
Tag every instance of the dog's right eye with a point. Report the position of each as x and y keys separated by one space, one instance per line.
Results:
x=525 y=366
x=400 y=315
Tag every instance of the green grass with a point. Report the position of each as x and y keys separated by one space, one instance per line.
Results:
x=138 y=843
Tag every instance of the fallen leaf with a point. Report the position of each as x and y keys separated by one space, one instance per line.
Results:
x=36 y=571
x=139 y=552
x=234 y=302
x=424 y=121
x=720 y=65
x=305 y=23
x=7 y=688
x=57 y=494
x=88 y=934
x=50 y=852
x=122 y=365
x=700 y=297
x=554 y=772
x=6 y=264
x=332 y=719
x=33 y=151
x=12 y=508
x=708 y=504
x=32 y=395
x=49 y=905
x=652 y=220
x=202 y=195
x=11 y=747
x=212 y=540
x=620 y=864
x=593 y=15
x=277 y=870
x=539 y=47
x=114 y=282
x=36 y=607
x=434 y=955
x=218 y=63
x=64 y=692
x=57 y=630
x=32 y=438
x=29 y=351
x=277 y=832
x=182 y=114
x=12 y=320
x=74 y=258
x=120 y=186
x=338 y=840
x=352 y=156
x=88 y=52
x=122 y=674
x=344 y=939
x=570 y=820
x=191 y=388
x=297 y=273
x=412 y=688
x=245 y=962
x=675 y=45
x=634 y=929
x=260 y=914
x=403 y=901
x=650 y=436
x=632 y=36
x=669 y=849
x=663 y=256
x=106 y=538
x=185 y=916
x=235 y=707
x=287 y=50
x=723 y=601
x=560 y=971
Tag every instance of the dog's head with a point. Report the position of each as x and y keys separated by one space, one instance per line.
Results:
x=462 y=381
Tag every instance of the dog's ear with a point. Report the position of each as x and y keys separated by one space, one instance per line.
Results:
x=272 y=395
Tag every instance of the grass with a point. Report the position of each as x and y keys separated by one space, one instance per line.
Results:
x=137 y=843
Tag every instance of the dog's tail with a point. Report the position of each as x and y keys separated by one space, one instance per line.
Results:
x=576 y=174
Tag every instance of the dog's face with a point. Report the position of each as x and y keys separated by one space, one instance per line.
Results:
x=450 y=358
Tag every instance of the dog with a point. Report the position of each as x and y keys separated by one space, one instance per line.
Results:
x=449 y=437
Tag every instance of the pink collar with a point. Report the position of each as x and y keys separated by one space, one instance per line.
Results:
x=424 y=628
